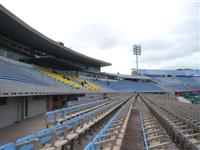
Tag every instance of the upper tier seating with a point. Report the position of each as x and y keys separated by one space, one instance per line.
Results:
x=179 y=83
x=84 y=83
x=176 y=80
x=166 y=80
x=59 y=77
x=169 y=72
x=11 y=72
x=125 y=85
x=103 y=84
x=87 y=84
x=56 y=83
x=195 y=87
x=189 y=79
x=42 y=76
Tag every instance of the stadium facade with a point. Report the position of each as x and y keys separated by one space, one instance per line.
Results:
x=39 y=74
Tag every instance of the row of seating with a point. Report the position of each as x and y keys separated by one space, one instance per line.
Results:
x=79 y=102
x=89 y=86
x=52 y=82
x=176 y=87
x=103 y=84
x=143 y=132
x=179 y=83
x=11 y=72
x=111 y=136
x=125 y=85
x=169 y=72
x=42 y=75
x=59 y=77
x=177 y=80
x=59 y=135
x=166 y=80
x=154 y=135
x=189 y=79
x=60 y=115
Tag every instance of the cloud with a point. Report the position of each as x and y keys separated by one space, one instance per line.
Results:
x=99 y=35
x=168 y=30
x=163 y=49
x=178 y=48
x=187 y=61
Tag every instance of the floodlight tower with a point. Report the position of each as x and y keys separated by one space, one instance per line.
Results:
x=137 y=52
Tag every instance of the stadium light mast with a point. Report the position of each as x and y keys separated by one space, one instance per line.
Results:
x=137 y=52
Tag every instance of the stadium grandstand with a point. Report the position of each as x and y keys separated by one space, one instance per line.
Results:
x=53 y=98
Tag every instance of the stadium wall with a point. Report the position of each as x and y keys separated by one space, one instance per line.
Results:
x=36 y=106
x=8 y=112
x=13 y=109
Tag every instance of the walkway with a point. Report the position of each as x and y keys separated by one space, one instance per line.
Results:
x=20 y=129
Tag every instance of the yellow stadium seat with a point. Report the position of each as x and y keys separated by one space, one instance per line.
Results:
x=89 y=86
x=59 y=77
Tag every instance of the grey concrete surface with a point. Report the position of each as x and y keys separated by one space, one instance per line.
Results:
x=20 y=129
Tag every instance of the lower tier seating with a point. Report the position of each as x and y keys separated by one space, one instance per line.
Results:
x=111 y=136
x=60 y=115
x=59 y=135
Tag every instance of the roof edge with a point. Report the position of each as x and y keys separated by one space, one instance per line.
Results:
x=34 y=31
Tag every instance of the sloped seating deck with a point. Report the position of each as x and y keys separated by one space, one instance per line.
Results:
x=125 y=85
x=61 y=115
x=57 y=136
x=111 y=136
x=10 y=72
x=59 y=77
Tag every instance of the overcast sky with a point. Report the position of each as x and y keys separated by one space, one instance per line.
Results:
x=168 y=30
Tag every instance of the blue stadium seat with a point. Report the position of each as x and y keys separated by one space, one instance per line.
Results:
x=90 y=146
x=45 y=77
x=59 y=129
x=48 y=137
x=9 y=146
x=11 y=72
x=111 y=129
x=59 y=113
x=50 y=118
x=27 y=142
x=45 y=136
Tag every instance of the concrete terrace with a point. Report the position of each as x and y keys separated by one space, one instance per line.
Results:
x=22 y=128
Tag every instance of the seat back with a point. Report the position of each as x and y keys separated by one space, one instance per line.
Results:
x=59 y=113
x=26 y=143
x=44 y=136
x=50 y=116
x=9 y=146
x=59 y=129
x=90 y=146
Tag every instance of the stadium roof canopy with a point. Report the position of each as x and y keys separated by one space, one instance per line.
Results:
x=14 y=28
